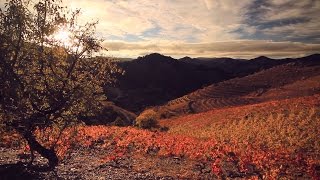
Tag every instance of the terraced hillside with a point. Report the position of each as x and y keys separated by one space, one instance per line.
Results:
x=288 y=123
x=299 y=78
x=271 y=140
x=155 y=79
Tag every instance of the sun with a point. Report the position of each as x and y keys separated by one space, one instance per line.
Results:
x=63 y=37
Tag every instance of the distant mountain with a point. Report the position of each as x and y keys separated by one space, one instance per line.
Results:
x=154 y=79
x=237 y=67
x=298 y=77
x=313 y=59
x=123 y=59
x=156 y=58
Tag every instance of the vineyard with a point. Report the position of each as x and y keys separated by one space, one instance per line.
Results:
x=268 y=140
x=83 y=100
x=291 y=125
x=259 y=87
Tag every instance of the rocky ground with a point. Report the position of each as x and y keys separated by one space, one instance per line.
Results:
x=91 y=164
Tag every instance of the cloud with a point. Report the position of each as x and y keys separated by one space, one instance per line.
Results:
x=114 y=18
x=204 y=21
x=192 y=21
x=284 y=20
x=237 y=49
x=205 y=27
x=208 y=4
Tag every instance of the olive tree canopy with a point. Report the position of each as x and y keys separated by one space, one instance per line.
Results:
x=48 y=75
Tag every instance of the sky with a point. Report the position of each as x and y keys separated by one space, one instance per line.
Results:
x=205 y=28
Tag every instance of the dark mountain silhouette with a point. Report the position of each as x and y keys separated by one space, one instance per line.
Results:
x=298 y=77
x=309 y=60
x=154 y=79
x=238 y=67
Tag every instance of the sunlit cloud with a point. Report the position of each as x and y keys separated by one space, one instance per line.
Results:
x=179 y=23
x=163 y=26
x=237 y=49
x=194 y=21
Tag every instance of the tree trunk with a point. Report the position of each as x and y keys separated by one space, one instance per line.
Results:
x=49 y=154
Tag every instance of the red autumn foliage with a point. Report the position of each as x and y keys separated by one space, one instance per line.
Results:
x=248 y=157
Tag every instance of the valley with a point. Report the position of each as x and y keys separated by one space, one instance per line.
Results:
x=257 y=123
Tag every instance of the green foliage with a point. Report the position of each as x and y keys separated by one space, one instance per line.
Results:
x=147 y=120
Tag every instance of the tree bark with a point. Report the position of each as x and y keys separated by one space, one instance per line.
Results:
x=49 y=154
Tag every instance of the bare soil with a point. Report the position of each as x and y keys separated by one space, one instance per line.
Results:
x=90 y=164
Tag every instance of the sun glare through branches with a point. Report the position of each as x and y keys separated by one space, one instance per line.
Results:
x=64 y=37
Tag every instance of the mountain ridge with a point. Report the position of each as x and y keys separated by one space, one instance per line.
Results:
x=154 y=79
x=294 y=79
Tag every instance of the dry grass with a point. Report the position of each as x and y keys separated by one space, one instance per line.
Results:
x=290 y=124
x=278 y=138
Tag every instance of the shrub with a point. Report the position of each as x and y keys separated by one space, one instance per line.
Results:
x=164 y=129
x=120 y=122
x=147 y=120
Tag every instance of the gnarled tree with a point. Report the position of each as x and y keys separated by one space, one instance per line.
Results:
x=47 y=79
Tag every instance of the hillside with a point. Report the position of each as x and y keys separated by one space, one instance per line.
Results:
x=261 y=126
x=110 y=115
x=294 y=79
x=290 y=125
x=263 y=141
x=159 y=90
x=154 y=79
x=238 y=67
x=287 y=118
